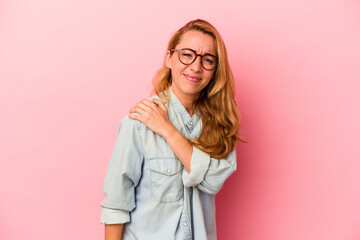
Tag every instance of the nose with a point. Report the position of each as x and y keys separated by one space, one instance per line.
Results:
x=196 y=65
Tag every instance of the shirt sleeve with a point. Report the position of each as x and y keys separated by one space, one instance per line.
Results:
x=122 y=175
x=209 y=174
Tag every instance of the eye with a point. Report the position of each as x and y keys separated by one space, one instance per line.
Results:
x=209 y=60
x=187 y=54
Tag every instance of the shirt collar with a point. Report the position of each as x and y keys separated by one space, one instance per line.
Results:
x=189 y=122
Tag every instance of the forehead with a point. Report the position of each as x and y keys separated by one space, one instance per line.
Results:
x=200 y=42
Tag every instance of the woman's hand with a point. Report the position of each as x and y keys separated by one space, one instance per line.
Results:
x=154 y=115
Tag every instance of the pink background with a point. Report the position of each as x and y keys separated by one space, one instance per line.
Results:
x=70 y=70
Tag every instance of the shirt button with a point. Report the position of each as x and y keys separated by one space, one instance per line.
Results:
x=185 y=224
x=191 y=123
x=168 y=171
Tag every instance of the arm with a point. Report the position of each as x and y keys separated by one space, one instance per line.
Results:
x=201 y=170
x=155 y=116
x=179 y=144
x=113 y=231
x=122 y=176
x=209 y=174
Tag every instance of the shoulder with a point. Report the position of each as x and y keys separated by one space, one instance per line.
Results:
x=155 y=97
x=151 y=99
x=135 y=124
x=129 y=124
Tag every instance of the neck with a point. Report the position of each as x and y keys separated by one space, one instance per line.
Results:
x=187 y=101
x=188 y=105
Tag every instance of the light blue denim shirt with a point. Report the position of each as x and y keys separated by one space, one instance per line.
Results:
x=147 y=187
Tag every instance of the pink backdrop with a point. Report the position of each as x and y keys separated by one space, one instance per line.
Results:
x=70 y=70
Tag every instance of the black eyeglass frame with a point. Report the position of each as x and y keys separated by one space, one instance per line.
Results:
x=196 y=55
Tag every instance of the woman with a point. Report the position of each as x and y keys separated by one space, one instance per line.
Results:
x=175 y=150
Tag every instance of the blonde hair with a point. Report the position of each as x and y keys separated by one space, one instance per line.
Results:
x=219 y=114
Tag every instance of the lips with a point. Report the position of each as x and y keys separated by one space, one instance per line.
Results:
x=192 y=78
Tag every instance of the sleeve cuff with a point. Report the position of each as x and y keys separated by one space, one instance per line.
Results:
x=114 y=216
x=199 y=165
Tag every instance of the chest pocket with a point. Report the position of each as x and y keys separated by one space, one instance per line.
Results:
x=166 y=181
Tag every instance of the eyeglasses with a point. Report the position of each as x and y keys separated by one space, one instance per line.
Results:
x=187 y=56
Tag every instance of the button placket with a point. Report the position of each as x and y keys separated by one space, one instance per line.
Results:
x=185 y=222
x=190 y=126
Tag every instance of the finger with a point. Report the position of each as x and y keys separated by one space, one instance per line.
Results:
x=149 y=103
x=136 y=117
x=144 y=106
x=137 y=109
x=160 y=104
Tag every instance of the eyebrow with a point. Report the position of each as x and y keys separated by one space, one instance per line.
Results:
x=206 y=53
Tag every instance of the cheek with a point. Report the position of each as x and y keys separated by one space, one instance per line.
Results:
x=179 y=69
x=210 y=75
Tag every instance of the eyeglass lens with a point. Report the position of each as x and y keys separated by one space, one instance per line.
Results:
x=187 y=56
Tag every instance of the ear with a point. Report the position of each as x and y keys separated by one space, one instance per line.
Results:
x=168 y=60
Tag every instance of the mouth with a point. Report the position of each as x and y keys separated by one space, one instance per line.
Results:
x=192 y=78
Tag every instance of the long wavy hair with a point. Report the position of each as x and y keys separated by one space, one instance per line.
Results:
x=219 y=114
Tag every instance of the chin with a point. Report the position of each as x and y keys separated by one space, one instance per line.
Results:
x=189 y=88
x=192 y=91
